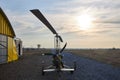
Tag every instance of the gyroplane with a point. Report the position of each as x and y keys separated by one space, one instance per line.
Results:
x=57 y=63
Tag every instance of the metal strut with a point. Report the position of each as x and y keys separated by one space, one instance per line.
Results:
x=57 y=44
x=57 y=57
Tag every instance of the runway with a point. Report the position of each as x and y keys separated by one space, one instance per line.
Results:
x=28 y=67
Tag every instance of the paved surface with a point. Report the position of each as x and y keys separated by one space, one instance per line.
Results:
x=29 y=68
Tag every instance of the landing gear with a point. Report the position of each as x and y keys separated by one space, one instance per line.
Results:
x=71 y=72
x=43 y=73
x=74 y=67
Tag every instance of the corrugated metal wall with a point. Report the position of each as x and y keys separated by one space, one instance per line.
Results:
x=4 y=27
x=8 y=51
x=3 y=49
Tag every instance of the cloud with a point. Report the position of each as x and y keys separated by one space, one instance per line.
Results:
x=61 y=14
x=26 y=24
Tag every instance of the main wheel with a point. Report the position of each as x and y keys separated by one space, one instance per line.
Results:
x=71 y=72
x=43 y=73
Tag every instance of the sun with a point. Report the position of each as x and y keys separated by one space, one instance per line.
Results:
x=85 y=21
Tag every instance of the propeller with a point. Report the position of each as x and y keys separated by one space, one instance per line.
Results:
x=60 y=50
x=63 y=48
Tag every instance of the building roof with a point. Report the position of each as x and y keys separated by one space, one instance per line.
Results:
x=9 y=24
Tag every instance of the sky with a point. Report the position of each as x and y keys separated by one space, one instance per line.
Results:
x=81 y=23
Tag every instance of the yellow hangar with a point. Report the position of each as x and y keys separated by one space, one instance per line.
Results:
x=10 y=47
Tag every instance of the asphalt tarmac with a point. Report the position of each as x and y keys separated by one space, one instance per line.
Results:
x=28 y=67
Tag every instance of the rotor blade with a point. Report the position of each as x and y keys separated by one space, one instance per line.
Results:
x=40 y=16
x=60 y=38
x=63 y=48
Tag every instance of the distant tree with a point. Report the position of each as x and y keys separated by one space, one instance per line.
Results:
x=113 y=48
x=38 y=46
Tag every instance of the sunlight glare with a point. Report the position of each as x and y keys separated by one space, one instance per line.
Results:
x=85 y=21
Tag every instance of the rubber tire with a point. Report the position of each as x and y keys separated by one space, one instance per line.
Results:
x=71 y=72
x=43 y=73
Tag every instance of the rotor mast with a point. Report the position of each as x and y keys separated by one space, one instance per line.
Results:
x=57 y=44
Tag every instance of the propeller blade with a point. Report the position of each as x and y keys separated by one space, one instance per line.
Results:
x=40 y=16
x=63 y=48
x=60 y=38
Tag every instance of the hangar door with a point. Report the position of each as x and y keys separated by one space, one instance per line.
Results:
x=3 y=49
